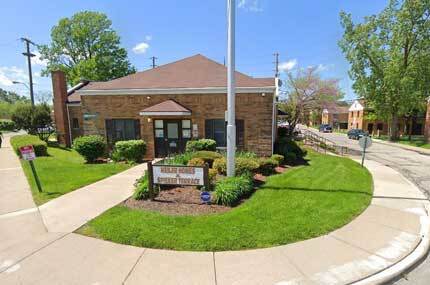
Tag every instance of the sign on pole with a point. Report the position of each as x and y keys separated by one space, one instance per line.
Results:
x=365 y=142
x=27 y=153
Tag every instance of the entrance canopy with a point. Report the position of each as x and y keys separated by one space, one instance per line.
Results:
x=166 y=108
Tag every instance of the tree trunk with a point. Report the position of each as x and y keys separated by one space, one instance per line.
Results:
x=394 y=131
x=410 y=128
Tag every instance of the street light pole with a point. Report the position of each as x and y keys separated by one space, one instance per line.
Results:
x=231 y=118
x=29 y=55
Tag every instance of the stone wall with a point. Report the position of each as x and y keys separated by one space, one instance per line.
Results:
x=256 y=111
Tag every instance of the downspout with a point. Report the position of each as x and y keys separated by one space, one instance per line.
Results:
x=68 y=121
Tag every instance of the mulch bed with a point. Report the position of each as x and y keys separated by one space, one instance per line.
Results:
x=186 y=200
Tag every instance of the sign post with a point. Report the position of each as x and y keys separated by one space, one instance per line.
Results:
x=27 y=153
x=364 y=142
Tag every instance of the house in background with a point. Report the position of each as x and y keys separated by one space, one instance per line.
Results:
x=359 y=119
x=167 y=106
x=335 y=114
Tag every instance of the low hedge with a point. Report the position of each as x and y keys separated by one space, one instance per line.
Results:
x=207 y=156
x=243 y=165
x=231 y=190
x=40 y=147
x=201 y=144
x=285 y=145
x=90 y=147
x=220 y=165
x=131 y=150
x=197 y=161
x=7 y=125
x=267 y=166
x=278 y=157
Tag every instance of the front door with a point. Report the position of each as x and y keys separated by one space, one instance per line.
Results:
x=171 y=136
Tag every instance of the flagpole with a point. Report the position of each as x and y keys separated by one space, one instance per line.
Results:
x=231 y=118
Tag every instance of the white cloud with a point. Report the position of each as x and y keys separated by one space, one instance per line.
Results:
x=9 y=74
x=287 y=65
x=148 y=38
x=36 y=60
x=141 y=48
x=250 y=5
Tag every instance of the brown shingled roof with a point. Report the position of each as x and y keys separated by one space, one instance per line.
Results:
x=196 y=71
x=166 y=106
x=336 y=107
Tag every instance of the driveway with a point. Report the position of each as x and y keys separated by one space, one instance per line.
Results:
x=414 y=166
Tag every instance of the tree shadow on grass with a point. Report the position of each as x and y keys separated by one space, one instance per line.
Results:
x=59 y=146
x=299 y=189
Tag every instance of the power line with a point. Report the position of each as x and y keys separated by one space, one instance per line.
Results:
x=29 y=55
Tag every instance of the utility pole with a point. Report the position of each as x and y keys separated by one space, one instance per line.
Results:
x=153 y=61
x=231 y=117
x=276 y=64
x=29 y=55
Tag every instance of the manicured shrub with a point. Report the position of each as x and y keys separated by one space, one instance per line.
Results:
x=267 y=166
x=201 y=144
x=207 y=156
x=90 y=147
x=131 y=150
x=246 y=154
x=196 y=162
x=220 y=165
x=246 y=165
x=40 y=147
x=290 y=158
x=212 y=176
x=141 y=191
x=285 y=145
x=230 y=190
x=278 y=157
x=7 y=125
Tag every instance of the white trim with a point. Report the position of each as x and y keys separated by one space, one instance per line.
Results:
x=165 y=113
x=166 y=91
x=356 y=106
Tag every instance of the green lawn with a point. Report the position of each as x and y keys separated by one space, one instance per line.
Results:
x=64 y=171
x=418 y=141
x=305 y=202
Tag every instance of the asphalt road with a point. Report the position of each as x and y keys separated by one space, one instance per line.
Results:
x=415 y=167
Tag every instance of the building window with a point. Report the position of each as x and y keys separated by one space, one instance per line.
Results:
x=380 y=127
x=216 y=129
x=122 y=129
x=186 y=129
x=75 y=123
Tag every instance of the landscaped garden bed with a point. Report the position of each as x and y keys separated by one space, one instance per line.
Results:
x=308 y=200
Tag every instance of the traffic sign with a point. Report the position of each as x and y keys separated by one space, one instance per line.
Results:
x=27 y=152
x=365 y=142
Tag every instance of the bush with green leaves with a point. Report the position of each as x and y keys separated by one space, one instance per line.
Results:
x=131 y=150
x=40 y=147
x=7 y=125
x=201 y=144
x=207 y=156
x=290 y=158
x=278 y=157
x=90 y=147
x=35 y=120
x=197 y=161
x=286 y=145
x=220 y=165
x=246 y=165
x=267 y=166
x=141 y=191
x=178 y=159
x=231 y=190
x=246 y=154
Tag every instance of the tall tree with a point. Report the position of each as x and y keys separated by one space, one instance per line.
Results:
x=306 y=91
x=86 y=47
x=389 y=57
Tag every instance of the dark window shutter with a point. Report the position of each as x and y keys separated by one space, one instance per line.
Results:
x=137 y=128
x=109 y=131
x=240 y=133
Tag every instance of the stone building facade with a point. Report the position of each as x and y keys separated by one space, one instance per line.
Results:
x=172 y=104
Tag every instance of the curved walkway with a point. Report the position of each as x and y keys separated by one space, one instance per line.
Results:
x=388 y=236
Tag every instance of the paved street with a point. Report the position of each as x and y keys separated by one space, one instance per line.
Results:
x=415 y=166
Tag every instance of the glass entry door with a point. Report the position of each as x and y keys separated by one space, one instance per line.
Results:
x=171 y=136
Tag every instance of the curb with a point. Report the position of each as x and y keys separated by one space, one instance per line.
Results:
x=411 y=148
x=413 y=258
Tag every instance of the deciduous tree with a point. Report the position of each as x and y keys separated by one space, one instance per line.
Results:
x=86 y=47
x=389 y=57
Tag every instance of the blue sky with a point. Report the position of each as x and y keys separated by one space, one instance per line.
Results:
x=305 y=33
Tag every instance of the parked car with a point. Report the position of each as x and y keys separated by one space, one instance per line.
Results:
x=356 y=134
x=326 y=128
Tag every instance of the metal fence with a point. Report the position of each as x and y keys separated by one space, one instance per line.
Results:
x=322 y=144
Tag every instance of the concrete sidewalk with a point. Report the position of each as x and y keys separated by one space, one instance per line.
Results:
x=388 y=236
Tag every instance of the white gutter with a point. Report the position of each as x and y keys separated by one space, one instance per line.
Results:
x=166 y=91
x=165 y=113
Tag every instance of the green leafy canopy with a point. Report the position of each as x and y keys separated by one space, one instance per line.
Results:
x=86 y=47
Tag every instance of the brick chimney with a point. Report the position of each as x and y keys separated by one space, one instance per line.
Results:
x=59 y=88
x=427 y=126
